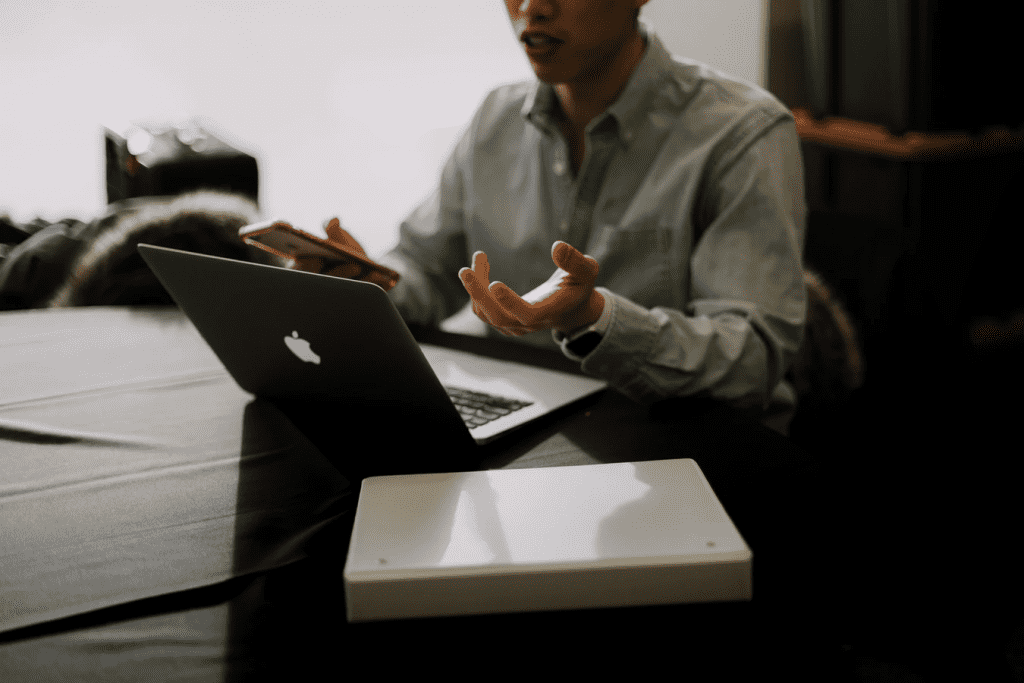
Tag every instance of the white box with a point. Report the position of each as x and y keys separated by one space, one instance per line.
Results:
x=550 y=538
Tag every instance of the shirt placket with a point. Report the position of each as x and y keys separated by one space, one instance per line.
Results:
x=587 y=188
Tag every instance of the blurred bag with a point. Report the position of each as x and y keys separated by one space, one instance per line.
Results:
x=155 y=161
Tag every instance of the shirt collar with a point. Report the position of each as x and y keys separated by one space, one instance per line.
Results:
x=631 y=107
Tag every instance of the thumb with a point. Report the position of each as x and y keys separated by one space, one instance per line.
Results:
x=569 y=259
x=338 y=235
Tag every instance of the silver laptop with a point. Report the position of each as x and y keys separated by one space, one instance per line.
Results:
x=311 y=339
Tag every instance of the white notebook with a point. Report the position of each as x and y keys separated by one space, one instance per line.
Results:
x=549 y=538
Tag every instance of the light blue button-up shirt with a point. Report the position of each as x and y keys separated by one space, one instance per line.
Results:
x=690 y=197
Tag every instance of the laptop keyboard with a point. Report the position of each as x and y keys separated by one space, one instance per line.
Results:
x=478 y=408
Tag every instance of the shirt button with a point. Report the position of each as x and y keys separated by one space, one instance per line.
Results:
x=628 y=135
x=559 y=168
x=564 y=226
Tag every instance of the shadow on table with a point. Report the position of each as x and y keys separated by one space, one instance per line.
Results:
x=297 y=626
x=286 y=493
x=276 y=454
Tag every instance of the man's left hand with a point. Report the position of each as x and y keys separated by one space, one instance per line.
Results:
x=566 y=302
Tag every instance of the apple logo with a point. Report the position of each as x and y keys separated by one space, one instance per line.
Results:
x=300 y=347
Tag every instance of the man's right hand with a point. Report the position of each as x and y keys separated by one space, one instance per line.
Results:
x=338 y=268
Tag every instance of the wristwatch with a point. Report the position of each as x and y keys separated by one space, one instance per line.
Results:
x=585 y=343
x=582 y=342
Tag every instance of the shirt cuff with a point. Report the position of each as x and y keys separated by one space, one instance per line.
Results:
x=600 y=327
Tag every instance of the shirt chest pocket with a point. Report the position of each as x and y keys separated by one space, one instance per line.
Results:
x=638 y=262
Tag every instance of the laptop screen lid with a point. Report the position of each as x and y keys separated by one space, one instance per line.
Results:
x=297 y=336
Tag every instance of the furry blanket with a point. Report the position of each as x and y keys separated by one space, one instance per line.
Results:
x=96 y=264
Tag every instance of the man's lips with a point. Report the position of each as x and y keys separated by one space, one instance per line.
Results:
x=538 y=43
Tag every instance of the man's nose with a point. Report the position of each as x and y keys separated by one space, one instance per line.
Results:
x=536 y=8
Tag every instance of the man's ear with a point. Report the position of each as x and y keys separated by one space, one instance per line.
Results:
x=638 y=4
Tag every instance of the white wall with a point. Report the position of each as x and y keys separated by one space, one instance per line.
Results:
x=349 y=107
x=727 y=34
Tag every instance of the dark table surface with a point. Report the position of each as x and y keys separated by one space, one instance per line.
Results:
x=203 y=536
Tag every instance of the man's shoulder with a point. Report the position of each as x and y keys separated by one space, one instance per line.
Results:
x=502 y=103
x=711 y=95
x=511 y=94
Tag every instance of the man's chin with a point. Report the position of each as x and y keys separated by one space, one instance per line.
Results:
x=549 y=73
x=552 y=81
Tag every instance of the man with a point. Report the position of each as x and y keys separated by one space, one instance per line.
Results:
x=684 y=185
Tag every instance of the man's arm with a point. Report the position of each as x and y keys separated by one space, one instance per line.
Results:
x=432 y=249
x=744 y=323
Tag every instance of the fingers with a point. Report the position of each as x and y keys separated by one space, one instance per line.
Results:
x=482 y=267
x=334 y=230
x=471 y=282
x=555 y=304
x=310 y=264
x=522 y=316
x=338 y=234
x=475 y=280
x=518 y=311
x=485 y=305
x=352 y=271
x=569 y=259
x=500 y=307
x=478 y=293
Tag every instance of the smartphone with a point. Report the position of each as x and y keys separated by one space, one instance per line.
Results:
x=281 y=238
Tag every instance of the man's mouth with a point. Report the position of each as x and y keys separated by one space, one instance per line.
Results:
x=539 y=41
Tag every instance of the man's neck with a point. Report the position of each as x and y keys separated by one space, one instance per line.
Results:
x=587 y=98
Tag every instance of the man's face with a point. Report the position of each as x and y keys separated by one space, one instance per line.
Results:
x=570 y=41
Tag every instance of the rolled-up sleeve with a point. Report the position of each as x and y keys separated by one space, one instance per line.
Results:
x=744 y=321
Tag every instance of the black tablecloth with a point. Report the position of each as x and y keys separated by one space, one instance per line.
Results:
x=160 y=524
x=133 y=466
